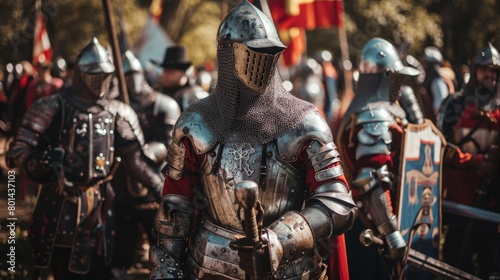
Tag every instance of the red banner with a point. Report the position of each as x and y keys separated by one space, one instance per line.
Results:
x=294 y=39
x=42 y=51
x=308 y=14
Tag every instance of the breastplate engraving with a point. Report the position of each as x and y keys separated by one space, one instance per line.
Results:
x=240 y=155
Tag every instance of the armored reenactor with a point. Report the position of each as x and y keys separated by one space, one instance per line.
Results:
x=308 y=85
x=69 y=142
x=434 y=88
x=157 y=114
x=470 y=120
x=253 y=147
x=370 y=141
x=177 y=78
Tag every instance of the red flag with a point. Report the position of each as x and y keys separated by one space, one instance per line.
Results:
x=42 y=51
x=308 y=14
x=294 y=39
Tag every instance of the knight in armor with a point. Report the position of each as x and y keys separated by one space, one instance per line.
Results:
x=308 y=85
x=470 y=120
x=370 y=137
x=70 y=143
x=157 y=114
x=435 y=87
x=250 y=131
x=177 y=79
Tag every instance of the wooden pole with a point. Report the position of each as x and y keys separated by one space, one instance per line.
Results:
x=223 y=10
x=117 y=59
x=347 y=67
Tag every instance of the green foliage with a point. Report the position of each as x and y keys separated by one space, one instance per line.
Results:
x=395 y=20
x=70 y=24
x=199 y=21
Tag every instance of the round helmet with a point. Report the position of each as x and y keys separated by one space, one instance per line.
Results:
x=95 y=68
x=255 y=44
x=488 y=57
x=432 y=55
x=134 y=73
x=378 y=55
x=248 y=25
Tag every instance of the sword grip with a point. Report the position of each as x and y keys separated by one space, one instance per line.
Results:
x=251 y=228
x=246 y=193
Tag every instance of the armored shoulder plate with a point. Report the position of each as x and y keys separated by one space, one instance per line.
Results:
x=167 y=105
x=35 y=122
x=127 y=122
x=40 y=115
x=191 y=125
x=374 y=136
x=313 y=127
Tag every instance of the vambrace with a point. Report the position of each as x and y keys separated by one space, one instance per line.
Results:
x=141 y=171
x=174 y=221
x=369 y=183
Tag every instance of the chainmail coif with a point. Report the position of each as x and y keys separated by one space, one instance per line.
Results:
x=235 y=113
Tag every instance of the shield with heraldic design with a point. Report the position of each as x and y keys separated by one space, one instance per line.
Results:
x=419 y=196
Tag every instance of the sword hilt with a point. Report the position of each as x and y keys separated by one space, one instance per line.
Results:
x=246 y=193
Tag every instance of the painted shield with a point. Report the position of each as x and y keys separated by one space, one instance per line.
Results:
x=419 y=203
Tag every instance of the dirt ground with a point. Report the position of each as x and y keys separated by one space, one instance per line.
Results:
x=24 y=203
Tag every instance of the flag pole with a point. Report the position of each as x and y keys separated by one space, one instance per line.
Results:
x=223 y=9
x=117 y=59
x=346 y=66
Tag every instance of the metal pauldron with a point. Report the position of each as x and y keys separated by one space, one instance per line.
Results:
x=173 y=225
x=175 y=161
x=374 y=137
x=368 y=178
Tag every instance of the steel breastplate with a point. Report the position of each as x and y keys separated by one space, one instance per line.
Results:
x=89 y=147
x=285 y=185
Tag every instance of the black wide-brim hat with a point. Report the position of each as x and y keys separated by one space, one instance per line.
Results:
x=175 y=58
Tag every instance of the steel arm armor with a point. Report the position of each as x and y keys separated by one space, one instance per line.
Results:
x=34 y=124
x=168 y=110
x=369 y=182
x=141 y=171
x=173 y=225
x=410 y=105
x=330 y=210
x=374 y=138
